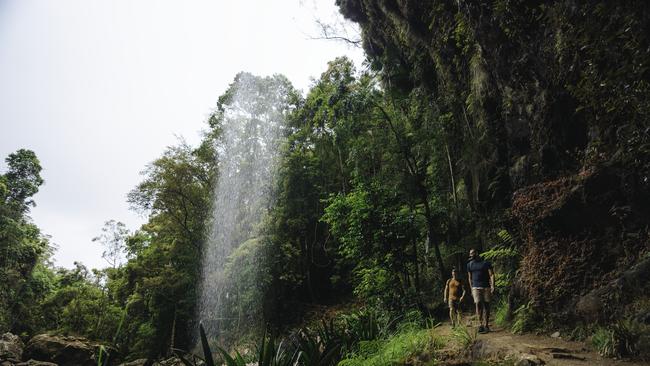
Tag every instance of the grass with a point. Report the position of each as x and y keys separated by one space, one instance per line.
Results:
x=626 y=338
x=409 y=346
x=464 y=336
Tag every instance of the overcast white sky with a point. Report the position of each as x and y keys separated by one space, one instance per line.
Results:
x=99 y=88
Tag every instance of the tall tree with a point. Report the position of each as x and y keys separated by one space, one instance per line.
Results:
x=113 y=240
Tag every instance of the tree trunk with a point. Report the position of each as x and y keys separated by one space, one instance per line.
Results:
x=173 y=336
x=417 y=268
x=431 y=232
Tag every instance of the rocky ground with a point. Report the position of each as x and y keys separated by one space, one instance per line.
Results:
x=521 y=350
x=57 y=350
x=496 y=347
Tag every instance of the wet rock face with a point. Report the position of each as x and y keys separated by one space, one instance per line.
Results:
x=11 y=347
x=582 y=235
x=64 y=351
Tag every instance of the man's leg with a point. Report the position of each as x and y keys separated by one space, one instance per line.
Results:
x=477 y=304
x=451 y=312
x=486 y=304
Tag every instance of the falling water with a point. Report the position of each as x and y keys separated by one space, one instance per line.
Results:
x=252 y=122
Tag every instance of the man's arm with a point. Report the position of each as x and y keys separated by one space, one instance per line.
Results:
x=444 y=294
x=462 y=286
x=491 y=273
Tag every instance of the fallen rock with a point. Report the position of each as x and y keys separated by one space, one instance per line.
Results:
x=35 y=363
x=11 y=347
x=555 y=335
x=527 y=359
x=138 y=362
x=174 y=361
x=62 y=350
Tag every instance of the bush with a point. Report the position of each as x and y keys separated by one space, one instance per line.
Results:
x=625 y=338
x=398 y=349
x=501 y=313
x=525 y=319
x=365 y=324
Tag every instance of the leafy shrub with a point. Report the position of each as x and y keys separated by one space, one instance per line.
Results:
x=317 y=350
x=623 y=339
x=365 y=325
x=371 y=282
x=506 y=256
x=580 y=333
x=603 y=341
x=398 y=349
x=501 y=313
x=525 y=319
x=363 y=335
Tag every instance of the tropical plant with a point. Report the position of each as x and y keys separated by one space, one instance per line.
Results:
x=622 y=339
x=525 y=319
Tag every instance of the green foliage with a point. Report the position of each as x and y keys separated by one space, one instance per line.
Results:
x=398 y=349
x=207 y=353
x=366 y=324
x=504 y=254
x=624 y=338
x=24 y=252
x=157 y=285
x=525 y=319
x=362 y=332
x=323 y=347
x=464 y=336
x=501 y=313
x=79 y=305
x=22 y=180
x=273 y=353
x=523 y=93
x=113 y=239
x=246 y=270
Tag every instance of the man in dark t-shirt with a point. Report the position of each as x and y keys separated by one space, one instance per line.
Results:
x=481 y=279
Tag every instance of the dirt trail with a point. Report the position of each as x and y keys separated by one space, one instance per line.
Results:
x=524 y=349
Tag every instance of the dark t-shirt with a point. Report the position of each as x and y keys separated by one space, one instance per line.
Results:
x=479 y=270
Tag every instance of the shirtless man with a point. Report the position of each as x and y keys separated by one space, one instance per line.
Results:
x=453 y=296
x=481 y=278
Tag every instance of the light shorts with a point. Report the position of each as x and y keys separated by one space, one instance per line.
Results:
x=481 y=294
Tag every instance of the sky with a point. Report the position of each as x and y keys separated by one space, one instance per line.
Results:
x=98 y=89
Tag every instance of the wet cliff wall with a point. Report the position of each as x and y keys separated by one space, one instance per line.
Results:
x=550 y=105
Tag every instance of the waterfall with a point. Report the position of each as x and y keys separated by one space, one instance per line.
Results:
x=252 y=120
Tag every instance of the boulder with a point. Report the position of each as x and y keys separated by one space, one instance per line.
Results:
x=62 y=350
x=11 y=348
